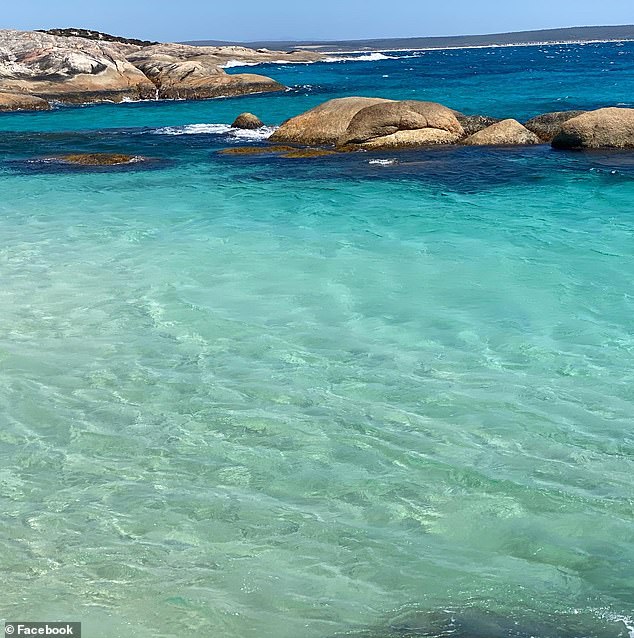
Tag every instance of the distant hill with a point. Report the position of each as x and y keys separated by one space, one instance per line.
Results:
x=569 y=34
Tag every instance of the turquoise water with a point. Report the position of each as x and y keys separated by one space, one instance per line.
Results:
x=250 y=396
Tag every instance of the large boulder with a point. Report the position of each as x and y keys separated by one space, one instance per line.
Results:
x=22 y=102
x=402 y=124
x=69 y=69
x=247 y=121
x=187 y=72
x=504 y=133
x=202 y=86
x=546 y=126
x=404 y=139
x=473 y=123
x=325 y=124
x=604 y=128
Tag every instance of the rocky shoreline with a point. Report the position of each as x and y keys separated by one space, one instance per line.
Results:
x=71 y=66
x=40 y=68
x=363 y=123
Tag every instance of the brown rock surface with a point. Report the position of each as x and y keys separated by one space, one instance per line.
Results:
x=247 y=121
x=217 y=56
x=22 y=102
x=604 y=128
x=68 y=69
x=305 y=153
x=290 y=152
x=504 y=133
x=408 y=139
x=325 y=124
x=474 y=123
x=76 y=69
x=546 y=126
x=402 y=124
x=257 y=150
x=187 y=72
x=99 y=159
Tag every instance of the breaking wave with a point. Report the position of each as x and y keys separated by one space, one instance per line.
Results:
x=369 y=57
x=262 y=133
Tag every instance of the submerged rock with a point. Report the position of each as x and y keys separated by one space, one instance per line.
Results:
x=546 y=126
x=504 y=133
x=604 y=128
x=291 y=152
x=301 y=153
x=402 y=124
x=22 y=102
x=247 y=121
x=99 y=159
x=483 y=623
x=325 y=124
x=256 y=150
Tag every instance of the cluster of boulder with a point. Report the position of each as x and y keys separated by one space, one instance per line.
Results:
x=74 y=66
x=375 y=124
x=38 y=68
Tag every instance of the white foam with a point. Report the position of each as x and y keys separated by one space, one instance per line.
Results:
x=628 y=621
x=369 y=57
x=262 y=133
x=194 y=129
x=363 y=55
x=231 y=63
x=383 y=162
x=235 y=63
x=477 y=46
x=348 y=56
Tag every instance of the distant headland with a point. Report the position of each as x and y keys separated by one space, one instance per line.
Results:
x=568 y=34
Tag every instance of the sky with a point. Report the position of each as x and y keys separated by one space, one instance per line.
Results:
x=249 y=20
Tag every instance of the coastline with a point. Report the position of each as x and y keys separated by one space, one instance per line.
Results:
x=484 y=46
x=170 y=71
x=342 y=54
x=276 y=389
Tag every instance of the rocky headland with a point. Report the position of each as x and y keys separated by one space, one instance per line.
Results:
x=39 y=68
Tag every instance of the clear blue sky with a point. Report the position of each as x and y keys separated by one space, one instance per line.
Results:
x=244 y=20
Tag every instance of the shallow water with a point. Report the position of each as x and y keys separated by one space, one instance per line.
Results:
x=254 y=396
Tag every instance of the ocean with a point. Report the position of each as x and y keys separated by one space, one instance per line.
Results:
x=376 y=395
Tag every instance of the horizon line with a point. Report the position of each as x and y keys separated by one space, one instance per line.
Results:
x=416 y=37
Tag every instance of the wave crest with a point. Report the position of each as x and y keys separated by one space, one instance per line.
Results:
x=231 y=133
x=369 y=57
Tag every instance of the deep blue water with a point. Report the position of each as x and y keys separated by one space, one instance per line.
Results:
x=257 y=396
